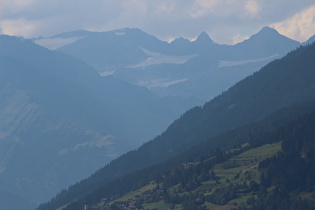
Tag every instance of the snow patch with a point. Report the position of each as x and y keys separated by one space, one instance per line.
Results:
x=55 y=43
x=160 y=83
x=120 y=33
x=158 y=58
x=106 y=73
x=243 y=62
x=104 y=141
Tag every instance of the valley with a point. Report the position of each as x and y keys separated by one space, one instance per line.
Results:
x=64 y=125
x=264 y=108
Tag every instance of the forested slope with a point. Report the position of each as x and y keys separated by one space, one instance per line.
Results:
x=263 y=177
x=270 y=130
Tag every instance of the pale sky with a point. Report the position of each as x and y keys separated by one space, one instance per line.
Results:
x=226 y=21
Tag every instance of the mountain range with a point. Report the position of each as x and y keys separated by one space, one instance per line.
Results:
x=61 y=121
x=62 y=117
x=198 y=69
x=281 y=84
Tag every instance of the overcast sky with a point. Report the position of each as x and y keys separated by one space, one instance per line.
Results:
x=226 y=21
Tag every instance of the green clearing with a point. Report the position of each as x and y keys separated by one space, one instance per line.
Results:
x=64 y=206
x=261 y=152
x=245 y=161
x=158 y=205
x=244 y=166
x=133 y=194
x=240 y=200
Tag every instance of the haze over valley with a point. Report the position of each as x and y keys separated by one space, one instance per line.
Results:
x=102 y=117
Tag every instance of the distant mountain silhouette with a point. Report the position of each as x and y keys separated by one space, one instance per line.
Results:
x=60 y=120
x=266 y=42
x=180 y=42
x=311 y=40
x=204 y=38
x=108 y=50
x=199 y=69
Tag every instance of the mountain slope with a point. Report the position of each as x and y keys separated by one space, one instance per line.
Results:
x=60 y=121
x=279 y=126
x=198 y=69
x=211 y=69
x=286 y=174
x=311 y=40
x=282 y=83
x=266 y=42
x=118 y=48
x=78 y=79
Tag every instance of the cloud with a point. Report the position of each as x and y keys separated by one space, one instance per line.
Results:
x=54 y=43
x=34 y=18
x=252 y=8
x=226 y=8
x=239 y=38
x=165 y=8
x=18 y=27
x=134 y=8
x=299 y=27
x=202 y=8
x=14 y=5
x=223 y=20
x=207 y=3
